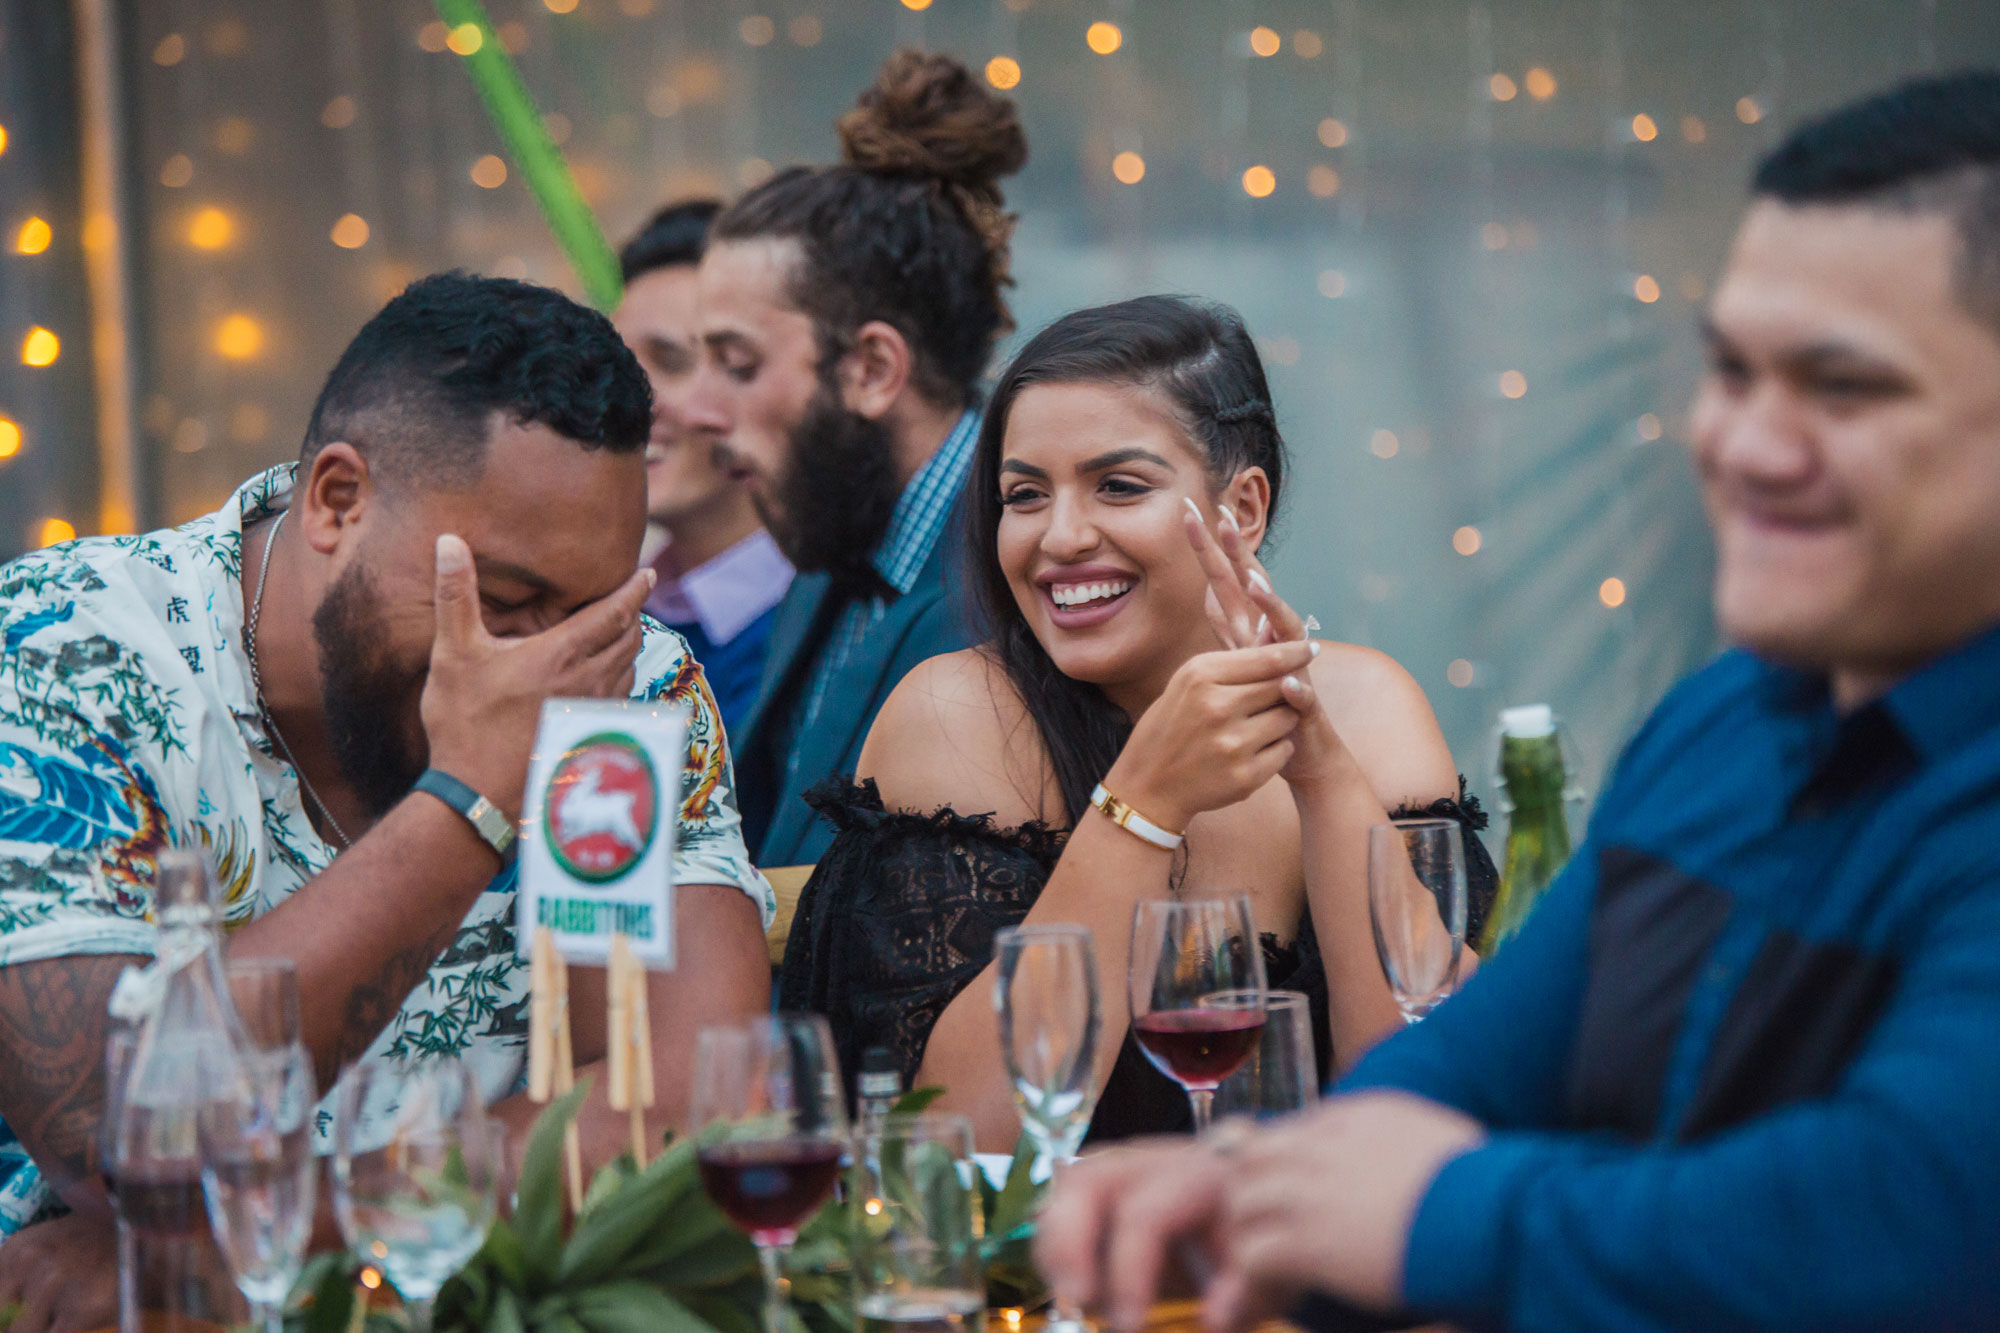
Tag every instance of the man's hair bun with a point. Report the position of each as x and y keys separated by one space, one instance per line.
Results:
x=928 y=116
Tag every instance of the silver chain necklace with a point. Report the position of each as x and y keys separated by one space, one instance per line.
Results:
x=257 y=683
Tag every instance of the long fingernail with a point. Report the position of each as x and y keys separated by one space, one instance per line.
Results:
x=1230 y=519
x=452 y=554
x=1292 y=685
x=652 y=579
x=1259 y=582
x=1193 y=508
x=1315 y=647
x=1263 y=623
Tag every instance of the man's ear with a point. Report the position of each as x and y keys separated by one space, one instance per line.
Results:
x=875 y=370
x=1247 y=497
x=332 y=494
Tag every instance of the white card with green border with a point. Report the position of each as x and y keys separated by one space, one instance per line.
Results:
x=597 y=828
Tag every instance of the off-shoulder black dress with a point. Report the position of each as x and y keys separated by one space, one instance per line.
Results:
x=900 y=915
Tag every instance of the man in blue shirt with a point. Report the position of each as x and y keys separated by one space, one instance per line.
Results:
x=1742 y=1067
x=848 y=313
x=721 y=576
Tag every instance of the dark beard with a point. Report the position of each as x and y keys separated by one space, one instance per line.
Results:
x=364 y=698
x=834 y=498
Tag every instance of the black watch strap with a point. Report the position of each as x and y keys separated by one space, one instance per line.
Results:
x=486 y=818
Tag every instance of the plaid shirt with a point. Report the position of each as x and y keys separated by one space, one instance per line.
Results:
x=922 y=511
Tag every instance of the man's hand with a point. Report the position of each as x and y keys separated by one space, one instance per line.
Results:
x=1325 y=1201
x=63 y=1275
x=483 y=699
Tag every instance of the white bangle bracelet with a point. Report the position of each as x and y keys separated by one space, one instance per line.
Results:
x=1134 y=823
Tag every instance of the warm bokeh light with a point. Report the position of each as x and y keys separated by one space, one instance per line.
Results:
x=1611 y=592
x=1003 y=72
x=1101 y=37
x=233 y=136
x=211 y=229
x=3 y=138
x=40 y=347
x=560 y=6
x=1332 y=133
x=1259 y=181
x=1129 y=168
x=338 y=113
x=1502 y=88
x=513 y=35
x=434 y=36
x=34 y=237
x=1643 y=128
x=489 y=172
x=1384 y=444
x=173 y=49
x=55 y=530
x=1265 y=42
x=177 y=171
x=1513 y=384
x=1693 y=130
x=1748 y=111
x=1493 y=236
x=1332 y=283
x=465 y=39
x=369 y=1277
x=1459 y=673
x=1649 y=427
x=753 y=171
x=1307 y=44
x=351 y=231
x=1466 y=541
x=1322 y=182
x=805 y=30
x=1541 y=84
x=239 y=337
x=10 y=438
x=917 y=4
x=757 y=30
x=1646 y=288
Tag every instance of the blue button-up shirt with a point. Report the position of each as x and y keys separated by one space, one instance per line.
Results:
x=922 y=513
x=1742 y=1067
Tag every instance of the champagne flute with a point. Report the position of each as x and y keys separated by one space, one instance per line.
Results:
x=1046 y=995
x=1197 y=991
x=416 y=1164
x=1282 y=1075
x=772 y=1132
x=258 y=1169
x=1416 y=901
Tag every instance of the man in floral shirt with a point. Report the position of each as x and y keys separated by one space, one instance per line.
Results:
x=268 y=683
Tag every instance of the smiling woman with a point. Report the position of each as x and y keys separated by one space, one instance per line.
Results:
x=1108 y=660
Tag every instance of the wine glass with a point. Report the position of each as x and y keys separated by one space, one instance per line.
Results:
x=917 y=1231
x=1281 y=1076
x=1197 y=991
x=771 y=1130
x=1046 y=995
x=258 y=1171
x=416 y=1161
x=1416 y=900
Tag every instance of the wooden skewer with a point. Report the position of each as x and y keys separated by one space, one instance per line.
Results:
x=630 y=1042
x=551 y=1058
x=566 y=1080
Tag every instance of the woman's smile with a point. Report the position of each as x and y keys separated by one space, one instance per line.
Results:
x=1082 y=596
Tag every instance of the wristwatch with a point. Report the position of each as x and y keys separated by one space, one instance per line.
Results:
x=492 y=826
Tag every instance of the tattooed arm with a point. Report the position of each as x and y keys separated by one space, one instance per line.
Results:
x=52 y=1026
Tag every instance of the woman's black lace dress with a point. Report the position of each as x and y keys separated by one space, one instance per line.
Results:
x=901 y=913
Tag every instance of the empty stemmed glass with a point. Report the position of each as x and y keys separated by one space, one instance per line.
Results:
x=258 y=1169
x=1416 y=900
x=1281 y=1075
x=1046 y=995
x=1197 y=991
x=416 y=1166
x=771 y=1131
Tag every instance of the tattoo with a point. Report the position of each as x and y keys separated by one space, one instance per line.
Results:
x=52 y=1029
x=371 y=1004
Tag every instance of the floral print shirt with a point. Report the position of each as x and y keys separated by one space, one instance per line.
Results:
x=128 y=723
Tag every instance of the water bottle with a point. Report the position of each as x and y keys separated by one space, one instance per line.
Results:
x=1534 y=782
x=876 y=1089
x=184 y=1048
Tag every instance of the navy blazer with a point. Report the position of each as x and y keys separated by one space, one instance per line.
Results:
x=932 y=618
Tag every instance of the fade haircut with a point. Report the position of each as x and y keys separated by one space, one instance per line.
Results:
x=674 y=237
x=417 y=389
x=1931 y=146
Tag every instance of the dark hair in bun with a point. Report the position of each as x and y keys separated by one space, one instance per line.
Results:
x=910 y=228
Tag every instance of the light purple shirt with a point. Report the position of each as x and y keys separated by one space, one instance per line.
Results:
x=726 y=594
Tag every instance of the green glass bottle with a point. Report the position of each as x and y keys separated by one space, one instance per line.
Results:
x=1534 y=781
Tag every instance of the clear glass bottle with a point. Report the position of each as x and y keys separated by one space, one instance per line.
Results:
x=186 y=1049
x=1534 y=784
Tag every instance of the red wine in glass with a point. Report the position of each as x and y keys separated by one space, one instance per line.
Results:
x=769 y=1187
x=1199 y=1048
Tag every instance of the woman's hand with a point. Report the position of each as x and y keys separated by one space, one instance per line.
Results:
x=1244 y=610
x=1219 y=731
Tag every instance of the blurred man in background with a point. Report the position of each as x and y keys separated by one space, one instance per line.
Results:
x=848 y=313
x=721 y=576
x=1740 y=1069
